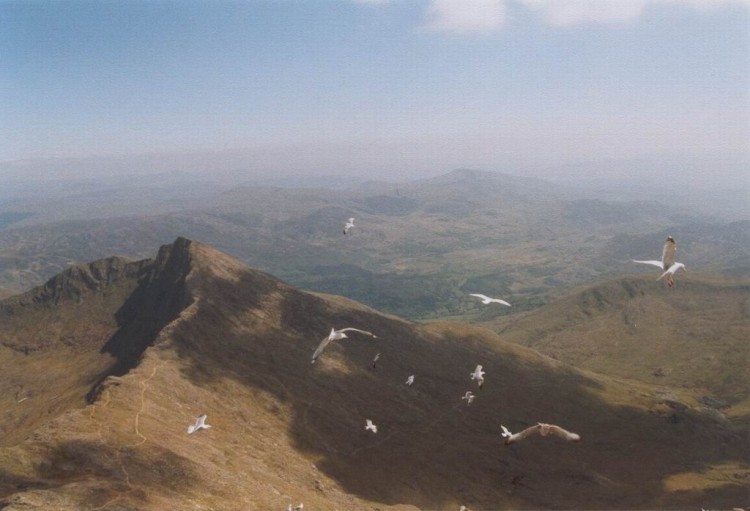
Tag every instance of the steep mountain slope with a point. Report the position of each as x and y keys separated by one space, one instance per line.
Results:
x=695 y=335
x=195 y=331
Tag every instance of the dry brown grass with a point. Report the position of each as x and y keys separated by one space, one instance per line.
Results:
x=284 y=431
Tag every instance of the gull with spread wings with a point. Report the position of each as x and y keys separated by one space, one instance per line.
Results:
x=478 y=375
x=349 y=224
x=542 y=429
x=667 y=263
x=336 y=335
x=486 y=299
x=200 y=423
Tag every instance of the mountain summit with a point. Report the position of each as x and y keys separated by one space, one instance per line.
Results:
x=132 y=352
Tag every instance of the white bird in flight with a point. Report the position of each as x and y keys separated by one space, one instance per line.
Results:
x=200 y=423
x=542 y=429
x=410 y=380
x=486 y=299
x=349 y=224
x=336 y=335
x=478 y=375
x=375 y=361
x=468 y=397
x=372 y=427
x=667 y=263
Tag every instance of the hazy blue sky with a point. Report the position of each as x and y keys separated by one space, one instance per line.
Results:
x=326 y=83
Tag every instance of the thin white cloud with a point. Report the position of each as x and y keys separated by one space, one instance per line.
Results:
x=571 y=12
x=486 y=16
x=574 y=12
x=465 y=16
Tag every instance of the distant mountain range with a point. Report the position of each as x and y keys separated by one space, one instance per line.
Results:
x=106 y=365
x=417 y=250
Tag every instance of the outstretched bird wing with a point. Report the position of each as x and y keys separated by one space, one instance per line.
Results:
x=321 y=347
x=563 y=433
x=517 y=437
x=671 y=270
x=357 y=330
x=652 y=262
x=537 y=428
x=485 y=299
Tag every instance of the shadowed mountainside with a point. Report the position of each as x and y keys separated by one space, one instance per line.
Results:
x=219 y=338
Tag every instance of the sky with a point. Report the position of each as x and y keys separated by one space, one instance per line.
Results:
x=377 y=86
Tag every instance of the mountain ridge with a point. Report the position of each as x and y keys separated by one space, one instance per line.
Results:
x=235 y=343
x=693 y=336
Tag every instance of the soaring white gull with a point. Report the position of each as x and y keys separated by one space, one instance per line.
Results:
x=478 y=375
x=200 y=423
x=372 y=427
x=542 y=429
x=349 y=224
x=667 y=263
x=486 y=299
x=410 y=380
x=468 y=397
x=336 y=335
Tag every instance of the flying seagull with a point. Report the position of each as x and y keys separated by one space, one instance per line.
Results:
x=410 y=380
x=486 y=299
x=200 y=423
x=667 y=263
x=469 y=397
x=336 y=335
x=372 y=427
x=375 y=360
x=349 y=224
x=478 y=375
x=542 y=429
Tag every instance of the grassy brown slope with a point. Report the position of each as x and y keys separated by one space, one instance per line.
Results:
x=51 y=340
x=285 y=430
x=694 y=335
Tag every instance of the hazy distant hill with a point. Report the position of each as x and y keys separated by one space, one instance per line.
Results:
x=417 y=250
x=132 y=352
